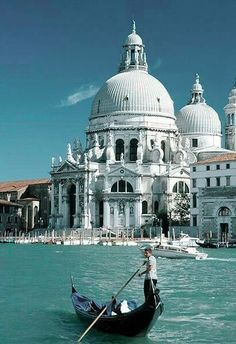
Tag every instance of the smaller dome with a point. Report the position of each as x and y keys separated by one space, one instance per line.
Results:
x=198 y=118
x=133 y=39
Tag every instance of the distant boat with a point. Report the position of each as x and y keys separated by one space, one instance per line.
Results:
x=117 y=242
x=136 y=321
x=208 y=244
x=217 y=244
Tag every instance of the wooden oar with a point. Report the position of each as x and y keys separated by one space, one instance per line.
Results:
x=103 y=311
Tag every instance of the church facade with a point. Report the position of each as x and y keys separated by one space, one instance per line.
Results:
x=138 y=152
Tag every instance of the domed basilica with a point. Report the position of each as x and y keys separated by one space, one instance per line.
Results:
x=137 y=153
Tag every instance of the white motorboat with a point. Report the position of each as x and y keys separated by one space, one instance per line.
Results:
x=177 y=252
x=185 y=240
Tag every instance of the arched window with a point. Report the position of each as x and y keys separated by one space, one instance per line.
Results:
x=180 y=187
x=119 y=149
x=224 y=211
x=163 y=147
x=133 y=150
x=101 y=141
x=152 y=143
x=132 y=60
x=122 y=186
x=114 y=187
x=129 y=187
x=71 y=192
x=144 y=207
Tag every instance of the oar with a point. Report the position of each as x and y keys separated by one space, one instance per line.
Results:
x=103 y=311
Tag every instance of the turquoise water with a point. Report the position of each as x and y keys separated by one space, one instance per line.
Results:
x=35 y=307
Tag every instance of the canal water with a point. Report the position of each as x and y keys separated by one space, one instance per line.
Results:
x=35 y=307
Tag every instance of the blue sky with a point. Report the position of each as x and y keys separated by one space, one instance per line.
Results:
x=55 y=54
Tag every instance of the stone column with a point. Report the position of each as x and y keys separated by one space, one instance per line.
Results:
x=27 y=218
x=115 y=215
x=127 y=215
x=137 y=212
x=91 y=214
x=60 y=199
x=52 y=198
x=76 y=218
x=106 y=215
x=138 y=184
x=65 y=218
x=86 y=222
x=60 y=209
x=52 y=201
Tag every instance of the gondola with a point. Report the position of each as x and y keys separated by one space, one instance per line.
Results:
x=136 y=322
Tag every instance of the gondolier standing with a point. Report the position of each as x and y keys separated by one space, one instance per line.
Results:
x=150 y=280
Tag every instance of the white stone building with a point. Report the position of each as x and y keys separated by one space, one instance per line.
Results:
x=213 y=189
x=135 y=160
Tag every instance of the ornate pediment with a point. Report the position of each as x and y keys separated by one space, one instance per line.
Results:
x=180 y=172
x=122 y=171
x=66 y=167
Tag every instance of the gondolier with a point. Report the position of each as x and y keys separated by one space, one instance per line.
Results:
x=150 y=280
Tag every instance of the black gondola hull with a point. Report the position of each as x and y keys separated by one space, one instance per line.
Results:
x=137 y=322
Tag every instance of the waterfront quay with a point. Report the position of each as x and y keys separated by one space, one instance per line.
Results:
x=75 y=237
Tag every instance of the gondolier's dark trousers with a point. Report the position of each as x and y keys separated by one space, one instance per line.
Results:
x=148 y=287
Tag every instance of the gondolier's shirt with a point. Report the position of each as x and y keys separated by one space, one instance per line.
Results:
x=152 y=263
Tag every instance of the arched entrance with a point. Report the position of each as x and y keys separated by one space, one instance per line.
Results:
x=71 y=193
x=224 y=232
x=224 y=214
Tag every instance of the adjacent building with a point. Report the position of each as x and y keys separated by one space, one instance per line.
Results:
x=213 y=203
x=24 y=205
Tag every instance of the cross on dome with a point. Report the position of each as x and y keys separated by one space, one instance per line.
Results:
x=197 y=78
x=133 y=26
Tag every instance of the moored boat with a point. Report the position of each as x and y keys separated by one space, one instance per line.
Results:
x=135 y=321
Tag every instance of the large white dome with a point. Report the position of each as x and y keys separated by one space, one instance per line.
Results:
x=198 y=118
x=132 y=92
